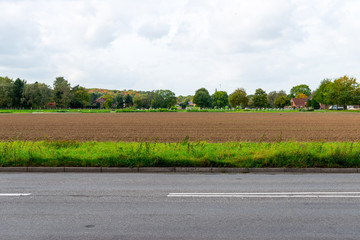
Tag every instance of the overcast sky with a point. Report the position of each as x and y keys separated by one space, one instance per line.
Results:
x=181 y=45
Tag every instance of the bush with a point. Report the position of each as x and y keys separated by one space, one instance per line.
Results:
x=196 y=109
x=145 y=110
x=306 y=109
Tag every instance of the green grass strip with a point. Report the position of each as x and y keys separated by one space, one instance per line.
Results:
x=182 y=154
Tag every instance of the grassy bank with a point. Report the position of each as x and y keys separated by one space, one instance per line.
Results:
x=182 y=154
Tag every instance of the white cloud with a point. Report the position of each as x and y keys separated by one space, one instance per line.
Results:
x=180 y=45
x=154 y=31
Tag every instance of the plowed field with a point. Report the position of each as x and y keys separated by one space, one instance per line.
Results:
x=173 y=127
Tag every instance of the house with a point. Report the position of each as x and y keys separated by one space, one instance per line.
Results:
x=298 y=102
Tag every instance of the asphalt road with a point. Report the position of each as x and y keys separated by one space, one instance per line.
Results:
x=159 y=206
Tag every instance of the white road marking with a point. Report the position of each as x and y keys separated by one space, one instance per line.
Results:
x=14 y=194
x=270 y=195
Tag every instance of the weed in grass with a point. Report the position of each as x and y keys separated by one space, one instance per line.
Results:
x=62 y=144
x=262 y=137
x=186 y=140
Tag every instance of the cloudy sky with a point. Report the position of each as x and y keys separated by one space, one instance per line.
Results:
x=181 y=45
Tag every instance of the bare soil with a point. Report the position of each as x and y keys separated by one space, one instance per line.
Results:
x=174 y=127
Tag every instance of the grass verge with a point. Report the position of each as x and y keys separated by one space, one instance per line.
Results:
x=181 y=154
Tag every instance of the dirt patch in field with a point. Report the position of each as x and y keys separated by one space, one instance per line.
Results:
x=174 y=127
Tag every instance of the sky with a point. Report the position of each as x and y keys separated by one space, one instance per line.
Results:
x=180 y=45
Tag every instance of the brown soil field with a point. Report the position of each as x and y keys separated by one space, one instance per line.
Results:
x=174 y=127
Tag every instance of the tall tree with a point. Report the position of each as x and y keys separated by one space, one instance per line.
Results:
x=220 y=99
x=260 y=98
x=315 y=104
x=108 y=103
x=272 y=96
x=239 y=98
x=321 y=94
x=6 y=92
x=302 y=88
x=36 y=95
x=163 y=99
x=128 y=101
x=46 y=94
x=62 y=92
x=281 y=101
x=18 y=91
x=80 y=97
x=143 y=100
x=344 y=91
x=202 y=98
x=119 y=101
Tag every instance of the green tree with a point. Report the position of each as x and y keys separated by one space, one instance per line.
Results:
x=184 y=104
x=220 y=99
x=163 y=99
x=119 y=101
x=108 y=103
x=272 y=96
x=202 y=98
x=62 y=92
x=238 y=98
x=98 y=105
x=321 y=94
x=183 y=101
x=251 y=101
x=80 y=97
x=18 y=91
x=36 y=95
x=128 y=101
x=143 y=101
x=344 y=91
x=260 y=98
x=107 y=96
x=6 y=92
x=315 y=104
x=281 y=101
x=94 y=96
x=302 y=88
x=46 y=94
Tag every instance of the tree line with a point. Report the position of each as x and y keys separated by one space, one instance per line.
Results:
x=342 y=91
x=20 y=94
x=146 y=100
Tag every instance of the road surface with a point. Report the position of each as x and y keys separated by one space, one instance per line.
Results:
x=179 y=206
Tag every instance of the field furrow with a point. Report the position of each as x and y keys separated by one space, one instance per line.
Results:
x=174 y=127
